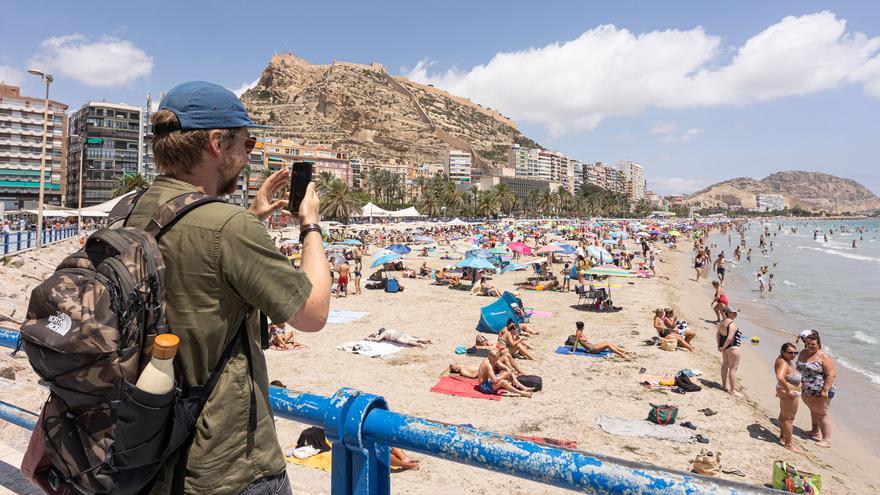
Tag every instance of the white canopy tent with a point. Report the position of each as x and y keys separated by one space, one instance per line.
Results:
x=371 y=210
x=406 y=212
x=457 y=221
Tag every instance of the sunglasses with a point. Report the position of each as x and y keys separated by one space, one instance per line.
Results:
x=249 y=143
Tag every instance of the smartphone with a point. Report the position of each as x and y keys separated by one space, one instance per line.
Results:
x=300 y=176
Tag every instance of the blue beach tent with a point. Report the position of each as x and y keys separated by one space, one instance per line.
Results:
x=494 y=317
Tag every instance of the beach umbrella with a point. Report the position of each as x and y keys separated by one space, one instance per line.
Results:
x=674 y=233
x=513 y=267
x=549 y=248
x=499 y=250
x=475 y=263
x=599 y=253
x=479 y=253
x=463 y=247
x=519 y=247
x=533 y=261
x=589 y=234
x=609 y=241
x=382 y=252
x=337 y=259
x=567 y=248
x=424 y=238
x=609 y=271
x=352 y=242
x=619 y=234
x=399 y=249
x=385 y=259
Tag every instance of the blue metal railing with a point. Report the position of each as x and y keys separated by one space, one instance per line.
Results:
x=361 y=428
x=13 y=242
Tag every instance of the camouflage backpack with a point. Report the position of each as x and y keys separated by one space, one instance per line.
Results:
x=88 y=334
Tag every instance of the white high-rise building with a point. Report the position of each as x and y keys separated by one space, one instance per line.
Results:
x=633 y=179
x=518 y=160
x=458 y=166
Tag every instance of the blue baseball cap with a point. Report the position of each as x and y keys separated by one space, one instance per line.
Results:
x=203 y=105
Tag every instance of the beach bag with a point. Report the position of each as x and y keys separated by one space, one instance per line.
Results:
x=789 y=478
x=684 y=382
x=569 y=340
x=531 y=381
x=663 y=414
x=669 y=344
x=392 y=285
x=707 y=463
x=88 y=334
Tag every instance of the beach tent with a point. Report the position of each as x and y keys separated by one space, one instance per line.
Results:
x=407 y=212
x=371 y=210
x=494 y=317
x=456 y=221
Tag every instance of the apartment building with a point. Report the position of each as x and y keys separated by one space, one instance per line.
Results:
x=21 y=148
x=458 y=166
x=633 y=180
x=111 y=134
x=518 y=160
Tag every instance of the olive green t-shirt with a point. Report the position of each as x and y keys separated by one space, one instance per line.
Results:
x=220 y=263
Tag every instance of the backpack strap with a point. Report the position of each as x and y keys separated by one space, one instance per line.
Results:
x=174 y=209
x=124 y=207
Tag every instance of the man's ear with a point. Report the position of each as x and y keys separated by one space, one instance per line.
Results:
x=215 y=144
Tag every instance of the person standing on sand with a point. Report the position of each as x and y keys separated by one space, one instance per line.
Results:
x=698 y=265
x=819 y=372
x=729 y=342
x=719 y=301
x=788 y=389
x=719 y=267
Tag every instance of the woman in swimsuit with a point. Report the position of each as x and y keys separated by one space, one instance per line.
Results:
x=581 y=340
x=516 y=345
x=729 y=342
x=719 y=301
x=818 y=371
x=698 y=264
x=662 y=331
x=788 y=389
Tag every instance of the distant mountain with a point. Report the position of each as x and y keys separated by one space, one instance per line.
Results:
x=813 y=191
x=362 y=110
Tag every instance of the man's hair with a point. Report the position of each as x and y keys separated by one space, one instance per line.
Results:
x=179 y=151
x=579 y=325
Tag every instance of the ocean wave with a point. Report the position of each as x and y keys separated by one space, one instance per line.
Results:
x=843 y=254
x=790 y=284
x=874 y=377
x=859 y=335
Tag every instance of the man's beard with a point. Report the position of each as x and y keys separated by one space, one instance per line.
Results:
x=228 y=179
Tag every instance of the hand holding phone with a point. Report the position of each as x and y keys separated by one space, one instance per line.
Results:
x=300 y=176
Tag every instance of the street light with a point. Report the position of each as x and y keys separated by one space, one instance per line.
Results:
x=82 y=155
x=48 y=80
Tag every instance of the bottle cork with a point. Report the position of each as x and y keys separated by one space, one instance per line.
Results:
x=165 y=346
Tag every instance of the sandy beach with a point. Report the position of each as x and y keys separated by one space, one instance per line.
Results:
x=576 y=389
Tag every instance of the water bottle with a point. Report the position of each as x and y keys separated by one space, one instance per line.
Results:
x=158 y=377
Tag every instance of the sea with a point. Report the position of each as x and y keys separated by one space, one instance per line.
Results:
x=822 y=284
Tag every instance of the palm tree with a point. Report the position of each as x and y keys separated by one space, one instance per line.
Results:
x=245 y=193
x=338 y=202
x=490 y=204
x=128 y=183
x=506 y=198
x=429 y=205
x=546 y=202
x=475 y=195
x=324 y=179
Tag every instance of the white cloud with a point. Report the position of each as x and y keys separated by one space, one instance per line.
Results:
x=668 y=133
x=10 y=75
x=244 y=87
x=675 y=185
x=103 y=62
x=608 y=71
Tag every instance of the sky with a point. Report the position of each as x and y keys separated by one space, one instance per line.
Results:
x=695 y=91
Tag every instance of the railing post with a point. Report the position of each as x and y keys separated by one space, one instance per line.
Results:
x=5 y=243
x=29 y=239
x=18 y=241
x=359 y=466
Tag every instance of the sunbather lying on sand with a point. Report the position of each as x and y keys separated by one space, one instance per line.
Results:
x=397 y=337
x=491 y=383
x=452 y=278
x=581 y=340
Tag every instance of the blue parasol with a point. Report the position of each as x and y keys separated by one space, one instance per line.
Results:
x=385 y=259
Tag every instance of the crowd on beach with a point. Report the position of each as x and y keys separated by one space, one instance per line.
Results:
x=561 y=257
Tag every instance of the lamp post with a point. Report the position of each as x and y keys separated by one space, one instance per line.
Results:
x=48 y=80
x=79 y=206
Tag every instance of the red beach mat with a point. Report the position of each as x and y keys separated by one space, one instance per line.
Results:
x=461 y=387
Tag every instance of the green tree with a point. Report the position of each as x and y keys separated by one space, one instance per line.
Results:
x=338 y=202
x=324 y=179
x=428 y=204
x=506 y=198
x=490 y=204
x=128 y=183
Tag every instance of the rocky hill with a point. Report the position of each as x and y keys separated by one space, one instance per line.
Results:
x=362 y=110
x=812 y=191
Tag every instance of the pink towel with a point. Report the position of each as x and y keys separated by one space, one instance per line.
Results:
x=461 y=387
x=540 y=314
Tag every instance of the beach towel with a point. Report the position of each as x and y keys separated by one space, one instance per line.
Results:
x=565 y=349
x=460 y=386
x=540 y=314
x=320 y=461
x=652 y=382
x=640 y=428
x=340 y=316
x=370 y=349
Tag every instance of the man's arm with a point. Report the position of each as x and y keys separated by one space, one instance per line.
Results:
x=312 y=315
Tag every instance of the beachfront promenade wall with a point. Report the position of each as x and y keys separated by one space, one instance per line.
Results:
x=361 y=428
x=13 y=242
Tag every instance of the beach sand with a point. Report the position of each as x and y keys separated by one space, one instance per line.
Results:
x=576 y=389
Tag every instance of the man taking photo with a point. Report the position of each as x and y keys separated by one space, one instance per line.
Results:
x=222 y=269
